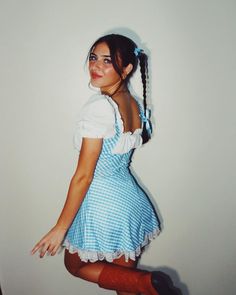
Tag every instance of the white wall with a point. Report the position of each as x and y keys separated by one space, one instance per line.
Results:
x=188 y=167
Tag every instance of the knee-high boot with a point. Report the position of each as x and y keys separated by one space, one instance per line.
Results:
x=125 y=279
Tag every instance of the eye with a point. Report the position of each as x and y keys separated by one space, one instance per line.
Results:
x=92 y=57
x=107 y=61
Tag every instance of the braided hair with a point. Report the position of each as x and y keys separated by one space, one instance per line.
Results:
x=124 y=51
x=143 y=62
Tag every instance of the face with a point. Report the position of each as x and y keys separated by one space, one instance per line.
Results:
x=102 y=72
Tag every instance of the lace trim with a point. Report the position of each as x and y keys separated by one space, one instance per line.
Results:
x=93 y=256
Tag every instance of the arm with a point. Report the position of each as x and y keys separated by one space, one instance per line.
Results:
x=80 y=182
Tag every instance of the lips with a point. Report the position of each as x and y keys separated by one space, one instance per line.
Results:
x=95 y=76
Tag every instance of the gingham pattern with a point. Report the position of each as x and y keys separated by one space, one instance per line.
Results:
x=116 y=217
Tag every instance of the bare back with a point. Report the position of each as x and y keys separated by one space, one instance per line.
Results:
x=129 y=111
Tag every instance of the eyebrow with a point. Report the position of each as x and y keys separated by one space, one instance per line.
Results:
x=104 y=55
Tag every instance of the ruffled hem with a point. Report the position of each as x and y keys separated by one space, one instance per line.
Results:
x=93 y=256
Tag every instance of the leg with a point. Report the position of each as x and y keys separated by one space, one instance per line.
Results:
x=131 y=264
x=126 y=280
x=91 y=271
x=85 y=270
x=115 y=276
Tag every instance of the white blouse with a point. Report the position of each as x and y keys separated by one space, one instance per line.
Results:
x=97 y=120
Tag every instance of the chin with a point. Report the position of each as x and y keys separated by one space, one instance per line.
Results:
x=95 y=84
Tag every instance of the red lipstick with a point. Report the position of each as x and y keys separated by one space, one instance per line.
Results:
x=95 y=76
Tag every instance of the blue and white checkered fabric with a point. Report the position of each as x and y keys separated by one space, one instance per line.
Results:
x=116 y=217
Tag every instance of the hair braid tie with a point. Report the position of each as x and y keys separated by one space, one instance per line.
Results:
x=138 y=51
x=147 y=127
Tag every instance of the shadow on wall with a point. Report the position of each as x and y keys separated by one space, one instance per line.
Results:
x=171 y=278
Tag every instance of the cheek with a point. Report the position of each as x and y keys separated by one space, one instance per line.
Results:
x=110 y=72
x=90 y=65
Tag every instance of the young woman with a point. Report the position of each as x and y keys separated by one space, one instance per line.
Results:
x=107 y=218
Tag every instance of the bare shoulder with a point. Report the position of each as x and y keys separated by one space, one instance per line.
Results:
x=134 y=104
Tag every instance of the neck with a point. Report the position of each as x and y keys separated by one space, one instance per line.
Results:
x=115 y=89
x=122 y=94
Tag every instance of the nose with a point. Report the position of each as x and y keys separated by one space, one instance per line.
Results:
x=97 y=64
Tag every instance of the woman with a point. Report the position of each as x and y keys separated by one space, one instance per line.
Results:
x=107 y=218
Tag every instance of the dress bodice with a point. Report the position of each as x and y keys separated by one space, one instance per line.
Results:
x=100 y=118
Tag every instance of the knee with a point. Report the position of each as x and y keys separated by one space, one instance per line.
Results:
x=71 y=269
x=71 y=266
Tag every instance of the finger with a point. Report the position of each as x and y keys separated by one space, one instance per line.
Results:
x=50 y=248
x=55 y=250
x=43 y=250
x=33 y=251
x=36 y=248
x=38 y=245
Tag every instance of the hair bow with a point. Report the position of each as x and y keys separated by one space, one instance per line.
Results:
x=146 y=119
x=137 y=51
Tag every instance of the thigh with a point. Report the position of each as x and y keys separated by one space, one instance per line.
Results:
x=85 y=270
x=73 y=262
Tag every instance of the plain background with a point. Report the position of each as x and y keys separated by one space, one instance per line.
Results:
x=188 y=168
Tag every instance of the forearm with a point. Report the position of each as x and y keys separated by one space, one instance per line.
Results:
x=75 y=196
x=52 y=240
x=81 y=180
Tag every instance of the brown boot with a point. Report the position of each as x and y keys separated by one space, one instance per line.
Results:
x=114 y=277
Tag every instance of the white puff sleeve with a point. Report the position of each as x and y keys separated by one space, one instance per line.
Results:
x=96 y=120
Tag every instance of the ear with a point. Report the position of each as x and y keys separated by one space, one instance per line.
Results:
x=127 y=69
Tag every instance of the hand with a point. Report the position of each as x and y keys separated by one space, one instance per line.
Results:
x=50 y=242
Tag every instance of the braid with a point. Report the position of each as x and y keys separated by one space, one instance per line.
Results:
x=144 y=75
x=143 y=62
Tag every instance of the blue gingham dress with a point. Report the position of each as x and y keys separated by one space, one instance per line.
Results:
x=116 y=216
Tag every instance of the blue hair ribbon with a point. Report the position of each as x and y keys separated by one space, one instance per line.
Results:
x=137 y=51
x=146 y=119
